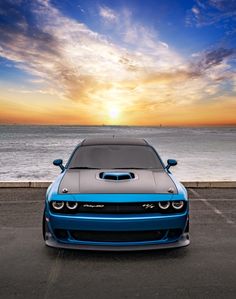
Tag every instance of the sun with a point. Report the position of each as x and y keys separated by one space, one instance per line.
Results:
x=113 y=112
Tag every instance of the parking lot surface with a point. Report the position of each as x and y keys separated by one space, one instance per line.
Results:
x=205 y=269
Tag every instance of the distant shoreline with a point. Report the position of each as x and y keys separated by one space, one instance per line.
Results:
x=121 y=126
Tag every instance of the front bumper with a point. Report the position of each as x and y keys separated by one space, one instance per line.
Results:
x=183 y=241
x=121 y=223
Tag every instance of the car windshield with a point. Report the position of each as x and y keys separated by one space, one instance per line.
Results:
x=115 y=156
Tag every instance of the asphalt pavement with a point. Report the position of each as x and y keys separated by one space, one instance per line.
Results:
x=205 y=269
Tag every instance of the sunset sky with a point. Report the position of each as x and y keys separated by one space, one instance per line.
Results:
x=133 y=62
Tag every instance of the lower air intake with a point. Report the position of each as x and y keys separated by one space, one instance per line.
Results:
x=118 y=236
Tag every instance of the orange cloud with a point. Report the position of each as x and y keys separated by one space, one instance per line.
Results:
x=82 y=77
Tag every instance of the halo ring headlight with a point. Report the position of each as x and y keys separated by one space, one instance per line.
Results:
x=71 y=205
x=164 y=205
x=178 y=204
x=58 y=205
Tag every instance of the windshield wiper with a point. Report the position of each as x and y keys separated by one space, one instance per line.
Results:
x=87 y=167
x=131 y=168
x=84 y=167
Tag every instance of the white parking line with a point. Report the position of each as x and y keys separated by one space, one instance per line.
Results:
x=213 y=208
x=215 y=199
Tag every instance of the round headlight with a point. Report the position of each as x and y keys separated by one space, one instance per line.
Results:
x=178 y=204
x=58 y=205
x=72 y=205
x=164 y=205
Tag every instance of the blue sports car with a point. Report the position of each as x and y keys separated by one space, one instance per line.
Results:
x=116 y=194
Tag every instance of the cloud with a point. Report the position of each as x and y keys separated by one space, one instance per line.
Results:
x=209 y=12
x=212 y=58
x=69 y=56
x=224 y=5
x=195 y=10
x=108 y=14
x=78 y=64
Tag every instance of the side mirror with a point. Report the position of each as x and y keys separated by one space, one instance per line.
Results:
x=59 y=162
x=170 y=162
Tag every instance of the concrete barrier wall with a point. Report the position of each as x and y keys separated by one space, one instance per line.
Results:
x=24 y=184
x=216 y=184
x=45 y=184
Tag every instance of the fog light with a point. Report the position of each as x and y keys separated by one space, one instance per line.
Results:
x=71 y=205
x=178 y=204
x=58 y=205
x=164 y=205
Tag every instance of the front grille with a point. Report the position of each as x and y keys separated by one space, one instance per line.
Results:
x=118 y=236
x=119 y=208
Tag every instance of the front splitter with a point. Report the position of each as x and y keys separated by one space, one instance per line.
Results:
x=182 y=242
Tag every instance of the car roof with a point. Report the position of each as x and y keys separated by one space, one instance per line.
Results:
x=114 y=140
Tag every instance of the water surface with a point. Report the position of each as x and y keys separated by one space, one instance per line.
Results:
x=203 y=154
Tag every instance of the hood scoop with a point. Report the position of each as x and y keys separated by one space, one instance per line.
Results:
x=116 y=176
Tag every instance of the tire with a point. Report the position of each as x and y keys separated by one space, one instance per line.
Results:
x=187 y=227
x=44 y=226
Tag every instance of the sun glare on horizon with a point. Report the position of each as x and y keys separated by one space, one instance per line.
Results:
x=113 y=112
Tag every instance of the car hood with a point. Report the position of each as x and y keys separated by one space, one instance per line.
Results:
x=88 y=181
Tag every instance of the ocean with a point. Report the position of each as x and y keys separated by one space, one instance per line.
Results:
x=203 y=153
